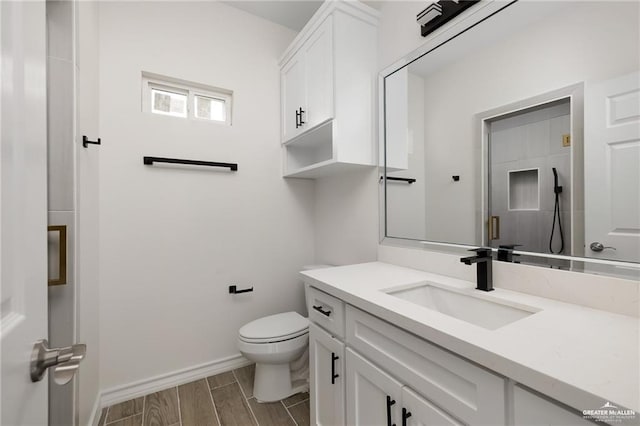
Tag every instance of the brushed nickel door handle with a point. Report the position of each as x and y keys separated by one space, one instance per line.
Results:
x=598 y=247
x=65 y=361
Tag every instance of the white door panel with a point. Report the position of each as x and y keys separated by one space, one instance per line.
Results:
x=326 y=356
x=373 y=397
x=23 y=209
x=319 y=76
x=612 y=168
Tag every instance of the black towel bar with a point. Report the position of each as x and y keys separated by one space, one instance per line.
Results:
x=408 y=180
x=150 y=160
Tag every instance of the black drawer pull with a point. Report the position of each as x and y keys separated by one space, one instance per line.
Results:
x=390 y=402
x=334 y=376
x=405 y=415
x=298 y=119
x=322 y=311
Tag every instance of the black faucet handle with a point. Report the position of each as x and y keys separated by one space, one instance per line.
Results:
x=482 y=251
x=509 y=246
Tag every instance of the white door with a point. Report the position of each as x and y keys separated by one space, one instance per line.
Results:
x=373 y=397
x=318 y=51
x=326 y=357
x=293 y=96
x=612 y=169
x=23 y=209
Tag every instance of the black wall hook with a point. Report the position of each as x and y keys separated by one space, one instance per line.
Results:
x=234 y=290
x=86 y=141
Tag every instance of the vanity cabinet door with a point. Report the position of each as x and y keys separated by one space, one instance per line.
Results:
x=373 y=397
x=327 y=378
x=292 y=79
x=530 y=409
x=417 y=411
x=318 y=51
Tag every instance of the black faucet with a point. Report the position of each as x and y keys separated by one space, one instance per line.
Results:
x=506 y=254
x=485 y=271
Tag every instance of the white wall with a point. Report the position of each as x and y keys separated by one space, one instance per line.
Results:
x=346 y=217
x=173 y=240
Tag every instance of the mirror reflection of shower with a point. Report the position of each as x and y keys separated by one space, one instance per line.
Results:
x=530 y=180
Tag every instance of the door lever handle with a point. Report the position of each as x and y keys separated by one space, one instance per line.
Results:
x=65 y=361
x=598 y=247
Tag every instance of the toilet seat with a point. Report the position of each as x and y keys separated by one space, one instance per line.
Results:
x=274 y=328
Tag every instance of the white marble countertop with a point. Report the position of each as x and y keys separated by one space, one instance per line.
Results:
x=580 y=356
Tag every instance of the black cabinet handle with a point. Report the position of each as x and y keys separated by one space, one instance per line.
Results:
x=390 y=402
x=298 y=116
x=405 y=415
x=322 y=311
x=301 y=120
x=334 y=376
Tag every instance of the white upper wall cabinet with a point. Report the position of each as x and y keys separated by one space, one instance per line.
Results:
x=328 y=91
x=307 y=84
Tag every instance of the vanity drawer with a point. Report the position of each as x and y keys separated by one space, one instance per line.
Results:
x=469 y=392
x=326 y=311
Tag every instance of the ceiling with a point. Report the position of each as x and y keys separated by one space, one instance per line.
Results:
x=293 y=14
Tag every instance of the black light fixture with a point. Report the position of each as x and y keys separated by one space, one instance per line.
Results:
x=439 y=13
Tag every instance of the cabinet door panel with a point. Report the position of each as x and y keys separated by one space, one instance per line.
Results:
x=473 y=394
x=327 y=395
x=367 y=390
x=423 y=412
x=293 y=95
x=319 y=75
x=530 y=409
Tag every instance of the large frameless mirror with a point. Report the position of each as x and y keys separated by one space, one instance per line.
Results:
x=521 y=131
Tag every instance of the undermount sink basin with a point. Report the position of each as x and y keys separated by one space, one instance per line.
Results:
x=475 y=310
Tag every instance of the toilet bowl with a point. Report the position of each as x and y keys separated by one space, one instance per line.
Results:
x=278 y=344
x=273 y=342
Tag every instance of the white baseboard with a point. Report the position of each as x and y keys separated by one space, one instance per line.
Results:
x=175 y=378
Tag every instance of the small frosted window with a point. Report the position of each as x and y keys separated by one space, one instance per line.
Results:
x=169 y=103
x=185 y=99
x=210 y=108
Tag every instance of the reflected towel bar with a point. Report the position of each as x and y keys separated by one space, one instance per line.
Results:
x=150 y=160
x=408 y=180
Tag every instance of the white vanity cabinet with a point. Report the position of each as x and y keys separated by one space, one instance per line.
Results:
x=327 y=79
x=366 y=371
x=436 y=384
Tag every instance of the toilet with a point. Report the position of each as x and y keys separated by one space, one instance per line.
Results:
x=277 y=344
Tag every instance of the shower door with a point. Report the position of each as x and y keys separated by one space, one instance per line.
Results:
x=526 y=149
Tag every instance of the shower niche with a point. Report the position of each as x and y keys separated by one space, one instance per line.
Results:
x=523 y=189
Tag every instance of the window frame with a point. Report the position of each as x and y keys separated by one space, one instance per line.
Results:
x=191 y=90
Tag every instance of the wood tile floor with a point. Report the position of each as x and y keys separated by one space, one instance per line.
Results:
x=222 y=400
